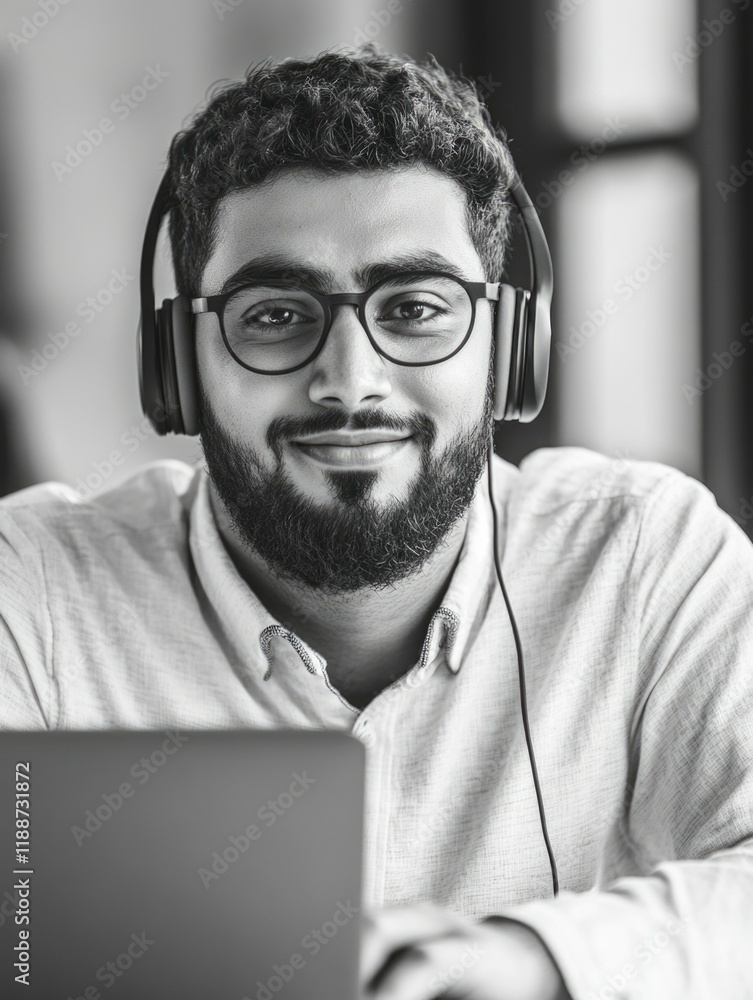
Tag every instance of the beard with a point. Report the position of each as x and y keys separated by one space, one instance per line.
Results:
x=354 y=542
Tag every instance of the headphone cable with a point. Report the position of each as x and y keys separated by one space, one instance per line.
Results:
x=521 y=674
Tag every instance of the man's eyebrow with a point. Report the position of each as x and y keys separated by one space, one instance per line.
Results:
x=277 y=267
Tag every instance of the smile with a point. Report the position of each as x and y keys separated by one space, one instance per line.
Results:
x=365 y=449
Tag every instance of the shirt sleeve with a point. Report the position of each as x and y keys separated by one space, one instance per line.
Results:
x=26 y=685
x=679 y=925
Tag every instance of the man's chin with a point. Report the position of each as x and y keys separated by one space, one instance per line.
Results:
x=358 y=487
x=322 y=478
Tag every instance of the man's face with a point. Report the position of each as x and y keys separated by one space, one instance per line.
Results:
x=351 y=442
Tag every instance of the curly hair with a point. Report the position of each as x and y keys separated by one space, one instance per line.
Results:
x=354 y=109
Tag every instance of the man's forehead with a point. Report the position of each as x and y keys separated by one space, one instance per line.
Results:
x=338 y=228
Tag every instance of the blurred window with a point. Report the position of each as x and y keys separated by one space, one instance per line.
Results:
x=628 y=59
x=627 y=331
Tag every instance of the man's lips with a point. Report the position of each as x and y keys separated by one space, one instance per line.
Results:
x=349 y=449
x=350 y=439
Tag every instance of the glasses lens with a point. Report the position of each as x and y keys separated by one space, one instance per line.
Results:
x=419 y=319
x=272 y=327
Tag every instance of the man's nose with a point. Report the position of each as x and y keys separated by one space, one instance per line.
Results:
x=348 y=373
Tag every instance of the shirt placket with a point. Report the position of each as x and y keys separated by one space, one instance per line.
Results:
x=375 y=727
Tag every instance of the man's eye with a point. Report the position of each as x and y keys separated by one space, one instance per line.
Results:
x=275 y=316
x=413 y=310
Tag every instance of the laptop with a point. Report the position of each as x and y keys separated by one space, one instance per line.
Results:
x=205 y=865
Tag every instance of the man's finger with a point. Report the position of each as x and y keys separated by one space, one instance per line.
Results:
x=386 y=931
x=441 y=967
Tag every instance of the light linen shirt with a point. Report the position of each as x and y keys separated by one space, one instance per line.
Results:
x=633 y=594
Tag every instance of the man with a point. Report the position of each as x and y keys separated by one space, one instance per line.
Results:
x=334 y=568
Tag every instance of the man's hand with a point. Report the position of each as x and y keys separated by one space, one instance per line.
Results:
x=422 y=952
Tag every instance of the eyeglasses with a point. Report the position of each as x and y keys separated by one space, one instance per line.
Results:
x=278 y=327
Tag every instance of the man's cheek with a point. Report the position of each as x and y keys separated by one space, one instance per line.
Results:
x=461 y=410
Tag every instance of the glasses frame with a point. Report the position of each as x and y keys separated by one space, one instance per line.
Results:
x=474 y=289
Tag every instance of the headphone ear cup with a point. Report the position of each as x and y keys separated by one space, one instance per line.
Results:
x=170 y=416
x=151 y=385
x=184 y=346
x=536 y=361
x=503 y=336
x=511 y=328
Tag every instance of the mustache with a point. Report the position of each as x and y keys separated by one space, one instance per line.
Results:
x=418 y=425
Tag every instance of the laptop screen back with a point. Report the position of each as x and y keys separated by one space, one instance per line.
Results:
x=205 y=865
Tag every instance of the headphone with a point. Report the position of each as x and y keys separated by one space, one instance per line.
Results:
x=168 y=381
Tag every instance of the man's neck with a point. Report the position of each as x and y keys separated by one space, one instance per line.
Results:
x=369 y=638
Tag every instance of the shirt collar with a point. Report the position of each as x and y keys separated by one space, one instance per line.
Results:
x=242 y=613
x=457 y=620
x=453 y=625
